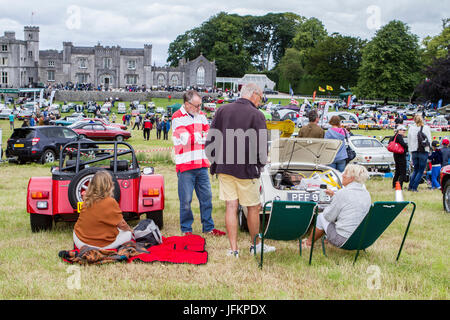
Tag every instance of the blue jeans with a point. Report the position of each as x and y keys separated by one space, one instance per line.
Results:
x=435 y=171
x=198 y=180
x=419 y=160
x=339 y=165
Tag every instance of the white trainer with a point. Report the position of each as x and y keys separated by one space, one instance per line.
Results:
x=258 y=248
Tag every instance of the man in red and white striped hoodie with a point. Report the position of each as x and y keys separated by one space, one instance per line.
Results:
x=189 y=131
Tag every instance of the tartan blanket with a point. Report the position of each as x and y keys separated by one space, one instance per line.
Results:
x=186 y=249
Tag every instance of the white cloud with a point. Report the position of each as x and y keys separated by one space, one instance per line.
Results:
x=135 y=22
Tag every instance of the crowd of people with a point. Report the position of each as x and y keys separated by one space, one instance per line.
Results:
x=239 y=182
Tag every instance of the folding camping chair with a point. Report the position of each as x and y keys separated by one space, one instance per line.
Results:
x=377 y=220
x=289 y=220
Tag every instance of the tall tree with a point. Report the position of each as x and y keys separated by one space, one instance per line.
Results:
x=391 y=64
x=437 y=84
x=290 y=67
x=335 y=58
x=438 y=46
x=308 y=34
x=269 y=36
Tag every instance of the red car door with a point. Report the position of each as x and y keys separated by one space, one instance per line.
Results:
x=100 y=132
x=85 y=130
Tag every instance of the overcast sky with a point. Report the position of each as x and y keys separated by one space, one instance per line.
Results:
x=135 y=23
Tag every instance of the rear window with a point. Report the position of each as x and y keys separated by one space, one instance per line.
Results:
x=23 y=134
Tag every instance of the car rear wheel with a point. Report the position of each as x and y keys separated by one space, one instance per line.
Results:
x=80 y=183
x=40 y=222
x=157 y=217
x=48 y=156
x=82 y=136
x=119 y=138
x=446 y=196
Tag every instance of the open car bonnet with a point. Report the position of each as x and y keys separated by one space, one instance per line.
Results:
x=303 y=150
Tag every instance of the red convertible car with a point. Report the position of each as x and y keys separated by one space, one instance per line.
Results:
x=59 y=197
x=98 y=131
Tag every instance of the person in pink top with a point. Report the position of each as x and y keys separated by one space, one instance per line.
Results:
x=336 y=132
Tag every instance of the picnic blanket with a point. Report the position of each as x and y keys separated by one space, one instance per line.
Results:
x=186 y=249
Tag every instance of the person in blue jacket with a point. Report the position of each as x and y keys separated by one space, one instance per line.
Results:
x=336 y=132
x=166 y=128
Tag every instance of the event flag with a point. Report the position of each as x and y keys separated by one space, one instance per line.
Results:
x=321 y=89
x=314 y=96
x=439 y=104
x=291 y=92
x=349 y=99
x=330 y=88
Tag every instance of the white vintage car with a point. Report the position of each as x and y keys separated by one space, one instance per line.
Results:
x=303 y=159
x=372 y=154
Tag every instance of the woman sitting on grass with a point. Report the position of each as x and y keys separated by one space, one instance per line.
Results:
x=101 y=224
x=347 y=210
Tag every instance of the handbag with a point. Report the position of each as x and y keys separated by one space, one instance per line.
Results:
x=351 y=154
x=395 y=147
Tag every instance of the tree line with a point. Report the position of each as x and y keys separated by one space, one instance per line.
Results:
x=298 y=52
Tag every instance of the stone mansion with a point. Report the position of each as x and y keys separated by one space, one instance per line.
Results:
x=23 y=64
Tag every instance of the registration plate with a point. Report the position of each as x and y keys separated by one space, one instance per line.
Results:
x=19 y=145
x=306 y=196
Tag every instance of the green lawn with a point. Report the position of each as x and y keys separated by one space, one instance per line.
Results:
x=31 y=269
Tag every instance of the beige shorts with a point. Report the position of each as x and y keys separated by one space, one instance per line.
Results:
x=246 y=190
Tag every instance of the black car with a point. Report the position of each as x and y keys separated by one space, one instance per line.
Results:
x=40 y=144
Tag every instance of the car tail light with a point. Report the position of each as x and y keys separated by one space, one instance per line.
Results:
x=151 y=192
x=39 y=195
x=34 y=141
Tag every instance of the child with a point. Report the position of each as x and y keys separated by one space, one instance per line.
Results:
x=436 y=163
x=445 y=152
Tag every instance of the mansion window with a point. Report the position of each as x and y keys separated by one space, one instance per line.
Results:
x=82 y=78
x=82 y=62
x=30 y=54
x=51 y=63
x=161 y=80
x=3 y=61
x=50 y=75
x=200 y=76
x=131 y=79
x=174 y=80
x=107 y=63
x=4 y=47
x=132 y=64
x=4 y=78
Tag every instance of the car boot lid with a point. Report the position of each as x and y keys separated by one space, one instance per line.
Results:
x=304 y=150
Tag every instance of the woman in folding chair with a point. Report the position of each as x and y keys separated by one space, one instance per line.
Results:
x=348 y=208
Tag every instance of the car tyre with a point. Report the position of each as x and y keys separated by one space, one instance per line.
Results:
x=82 y=136
x=81 y=179
x=157 y=217
x=119 y=138
x=446 y=196
x=41 y=222
x=48 y=156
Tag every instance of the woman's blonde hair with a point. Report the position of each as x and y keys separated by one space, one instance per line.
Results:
x=358 y=172
x=100 y=187
x=418 y=120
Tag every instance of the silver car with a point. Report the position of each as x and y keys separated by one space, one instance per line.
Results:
x=372 y=154
x=304 y=159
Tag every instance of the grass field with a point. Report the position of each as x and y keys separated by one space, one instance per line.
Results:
x=31 y=269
